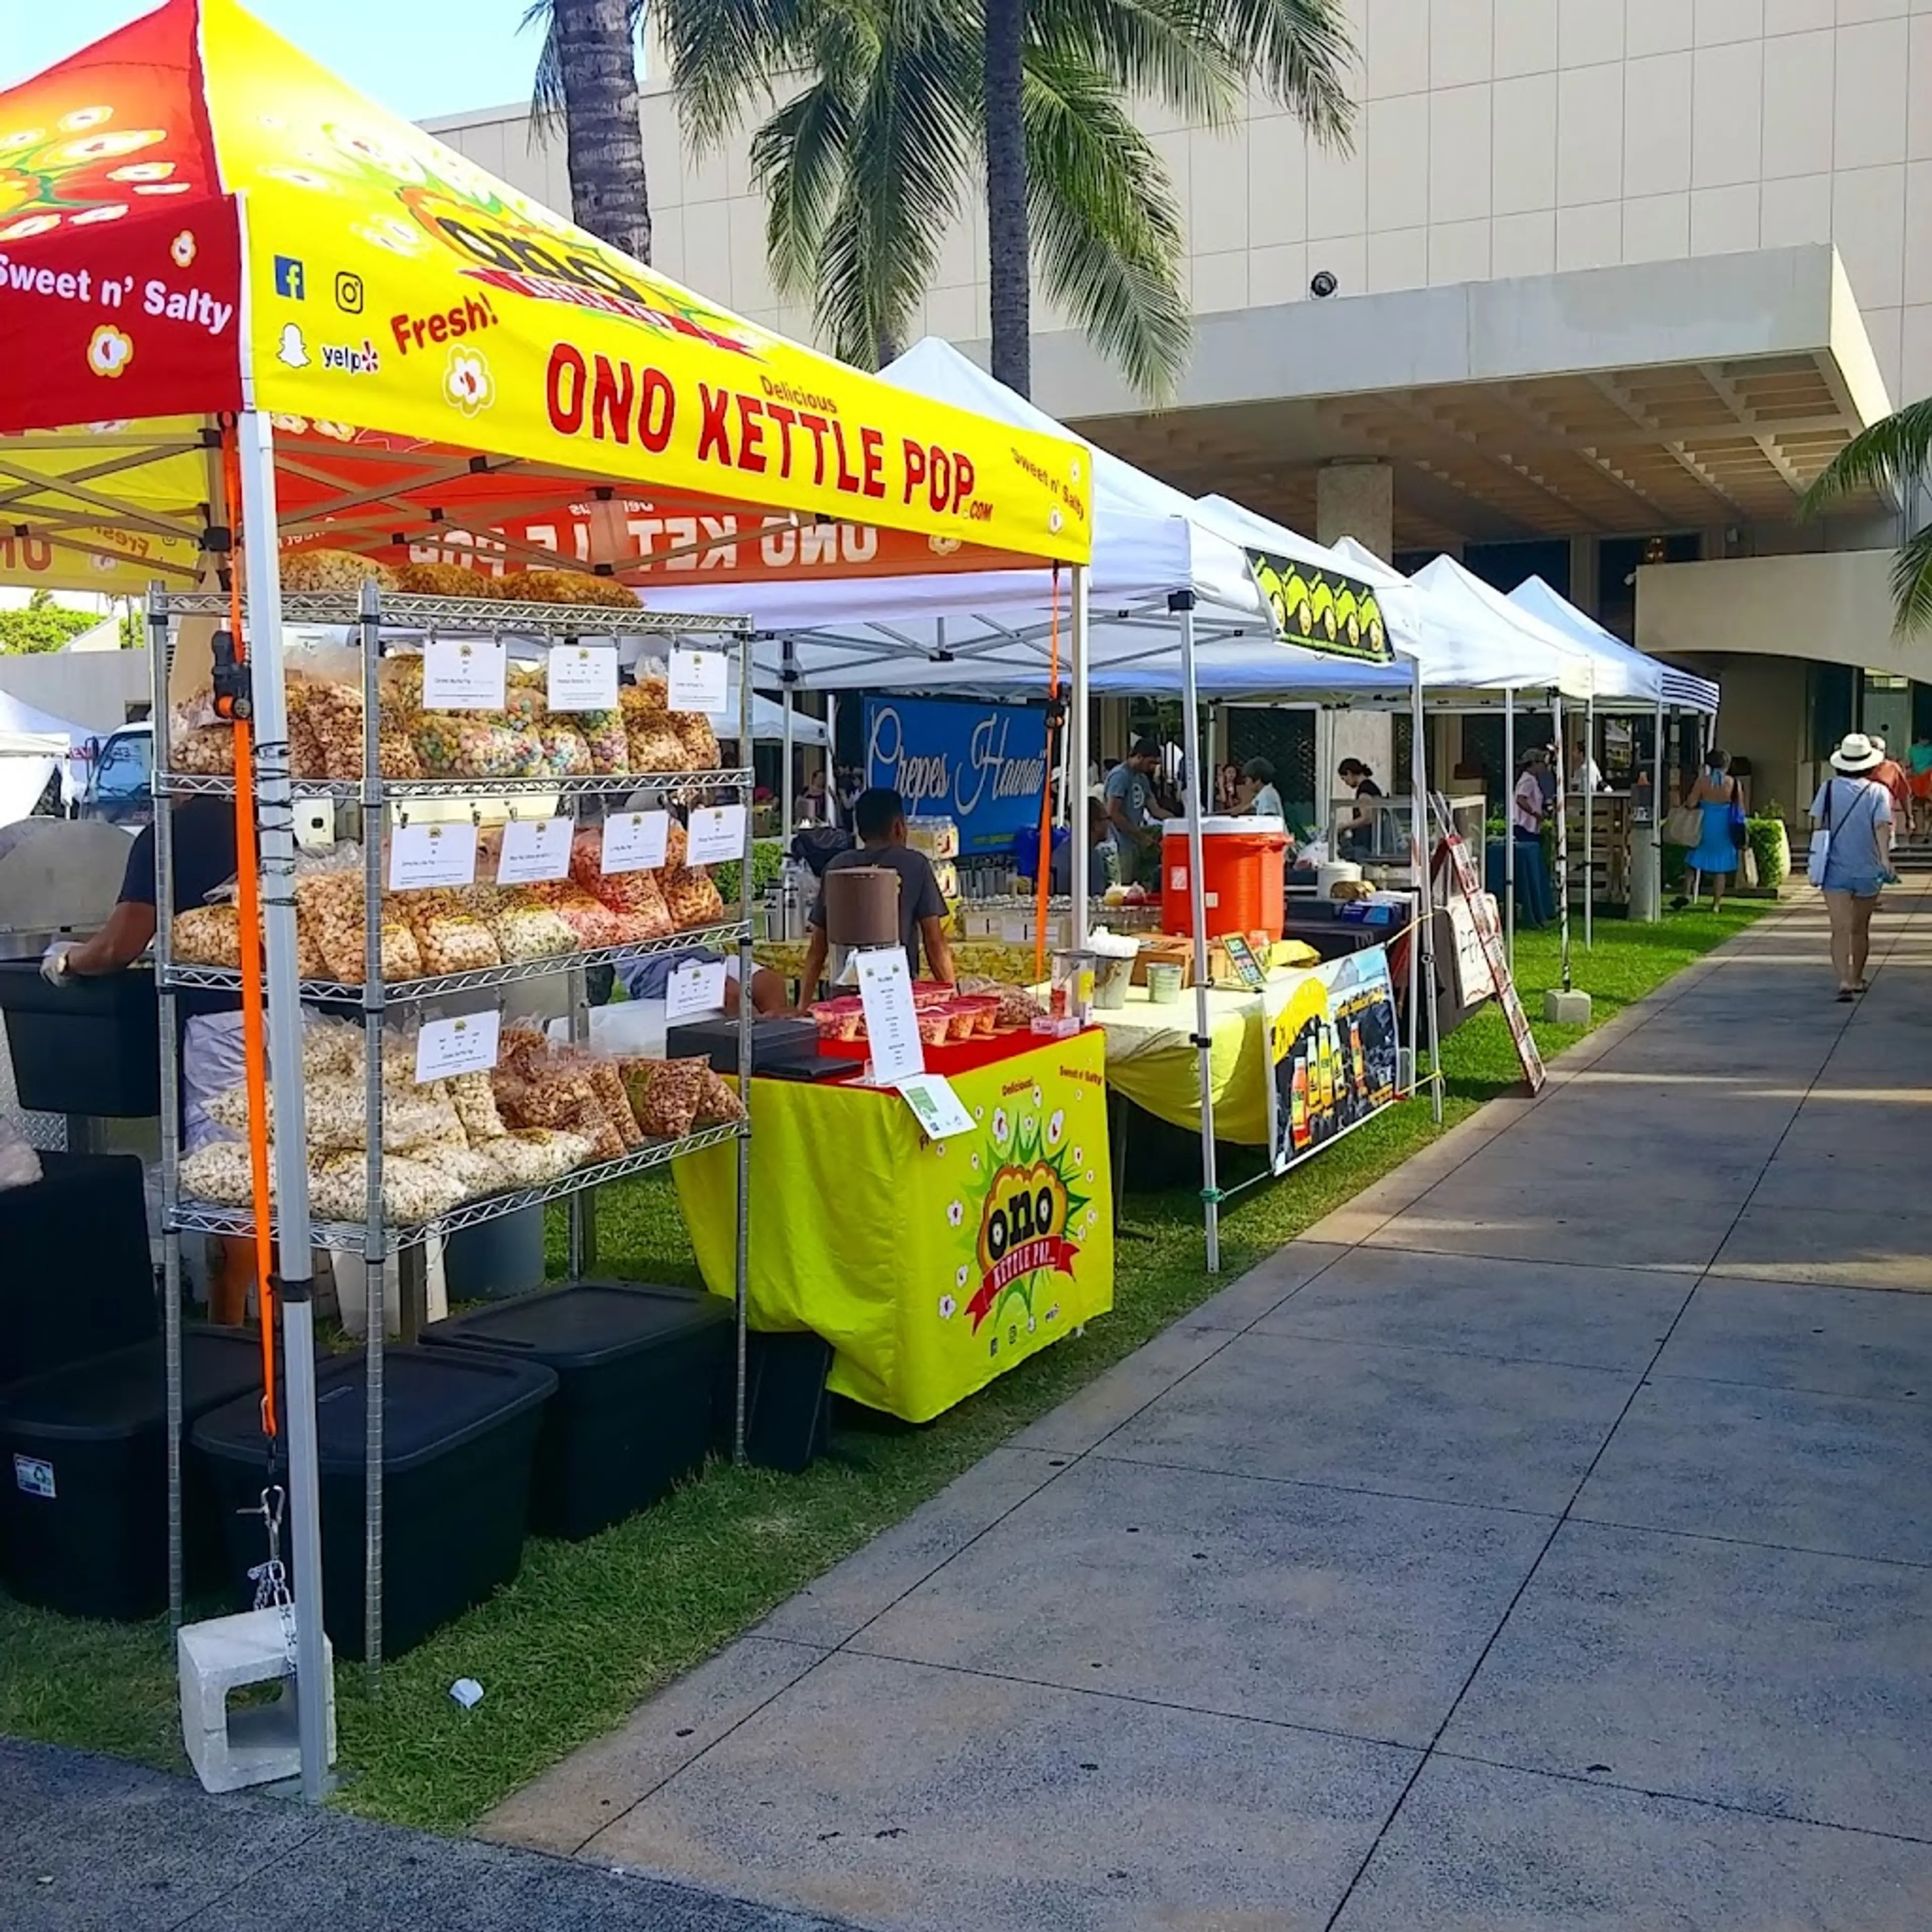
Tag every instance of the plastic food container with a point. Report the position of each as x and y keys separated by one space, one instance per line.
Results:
x=840 y=1020
x=983 y=1009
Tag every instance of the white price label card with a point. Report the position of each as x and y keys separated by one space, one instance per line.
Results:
x=938 y=1109
x=432 y=855
x=535 y=850
x=694 y=989
x=465 y=1045
x=892 y=1026
x=634 y=841
x=697 y=681
x=716 y=832
x=463 y=674
x=583 y=677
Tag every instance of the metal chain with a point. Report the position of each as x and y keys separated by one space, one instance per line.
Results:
x=271 y=1579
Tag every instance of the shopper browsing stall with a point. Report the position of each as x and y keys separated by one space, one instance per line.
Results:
x=211 y=1052
x=880 y=819
x=1132 y=815
x=1259 y=794
x=1528 y=808
x=1099 y=855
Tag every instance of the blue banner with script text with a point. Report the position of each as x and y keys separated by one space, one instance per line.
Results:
x=980 y=765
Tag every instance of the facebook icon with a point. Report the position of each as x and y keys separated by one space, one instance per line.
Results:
x=289 y=278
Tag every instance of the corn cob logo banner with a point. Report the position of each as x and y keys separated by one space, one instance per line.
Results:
x=1336 y=616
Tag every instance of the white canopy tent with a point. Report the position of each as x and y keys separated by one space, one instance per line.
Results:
x=1623 y=672
x=1172 y=606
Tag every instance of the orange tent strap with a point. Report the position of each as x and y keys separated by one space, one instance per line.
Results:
x=248 y=918
x=1043 y=862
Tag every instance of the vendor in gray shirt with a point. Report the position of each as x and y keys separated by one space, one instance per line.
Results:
x=879 y=819
x=1132 y=817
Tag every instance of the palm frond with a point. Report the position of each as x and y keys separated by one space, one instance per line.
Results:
x=1301 y=50
x=798 y=163
x=1886 y=457
x=1912 y=583
x=725 y=53
x=1153 y=47
x=1107 y=232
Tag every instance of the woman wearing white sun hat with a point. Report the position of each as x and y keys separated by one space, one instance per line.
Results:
x=1856 y=811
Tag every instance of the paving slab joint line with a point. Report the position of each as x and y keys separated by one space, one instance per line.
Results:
x=1606 y=1784
x=282 y=1854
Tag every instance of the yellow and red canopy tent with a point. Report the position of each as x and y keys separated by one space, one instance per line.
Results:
x=241 y=303
x=196 y=219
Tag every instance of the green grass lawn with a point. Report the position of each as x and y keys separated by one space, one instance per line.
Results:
x=588 y=1630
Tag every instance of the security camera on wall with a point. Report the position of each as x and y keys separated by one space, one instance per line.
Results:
x=1323 y=285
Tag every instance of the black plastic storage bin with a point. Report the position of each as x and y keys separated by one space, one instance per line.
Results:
x=787 y=1406
x=76 y=1277
x=459 y=1431
x=87 y=1046
x=635 y=1365
x=84 y=1503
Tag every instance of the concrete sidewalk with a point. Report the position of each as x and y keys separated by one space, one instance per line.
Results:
x=1546 y=1542
x=91 y=1844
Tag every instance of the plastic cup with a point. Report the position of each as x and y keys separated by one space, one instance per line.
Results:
x=1163 y=984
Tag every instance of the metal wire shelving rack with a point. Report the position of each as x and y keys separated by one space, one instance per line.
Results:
x=380 y=620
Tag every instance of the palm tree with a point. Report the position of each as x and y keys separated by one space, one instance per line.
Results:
x=903 y=101
x=1894 y=456
x=587 y=76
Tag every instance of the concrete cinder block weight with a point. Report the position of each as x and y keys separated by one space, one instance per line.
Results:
x=1568 y=1010
x=231 y=1750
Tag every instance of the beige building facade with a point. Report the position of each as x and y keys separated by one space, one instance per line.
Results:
x=1613 y=281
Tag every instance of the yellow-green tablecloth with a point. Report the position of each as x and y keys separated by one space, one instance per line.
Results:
x=1151 y=1059
x=930 y=1267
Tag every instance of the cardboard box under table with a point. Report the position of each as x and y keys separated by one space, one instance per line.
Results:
x=930 y=1267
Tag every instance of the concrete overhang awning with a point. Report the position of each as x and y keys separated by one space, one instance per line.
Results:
x=1666 y=395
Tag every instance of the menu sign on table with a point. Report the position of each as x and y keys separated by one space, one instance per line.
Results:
x=697 y=682
x=535 y=851
x=892 y=1026
x=695 y=988
x=635 y=842
x=463 y=674
x=465 y=1045
x=432 y=855
x=716 y=833
x=582 y=677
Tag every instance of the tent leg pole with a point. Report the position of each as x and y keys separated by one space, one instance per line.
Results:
x=1657 y=811
x=1562 y=836
x=1182 y=603
x=786 y=801
x=1075 y=738
x=1424 y=953
x=832 y=816
x=1589 y=828
x=1509 y=825
x=263 y=580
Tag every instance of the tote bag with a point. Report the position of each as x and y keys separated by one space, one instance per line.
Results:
x=1683 y=825
x=1820 y=854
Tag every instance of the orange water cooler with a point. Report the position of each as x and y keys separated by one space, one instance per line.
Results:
x=1242 y=876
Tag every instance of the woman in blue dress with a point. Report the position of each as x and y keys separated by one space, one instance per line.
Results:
x=1714 y=857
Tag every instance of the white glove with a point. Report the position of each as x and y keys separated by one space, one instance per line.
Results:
x=53 y=962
